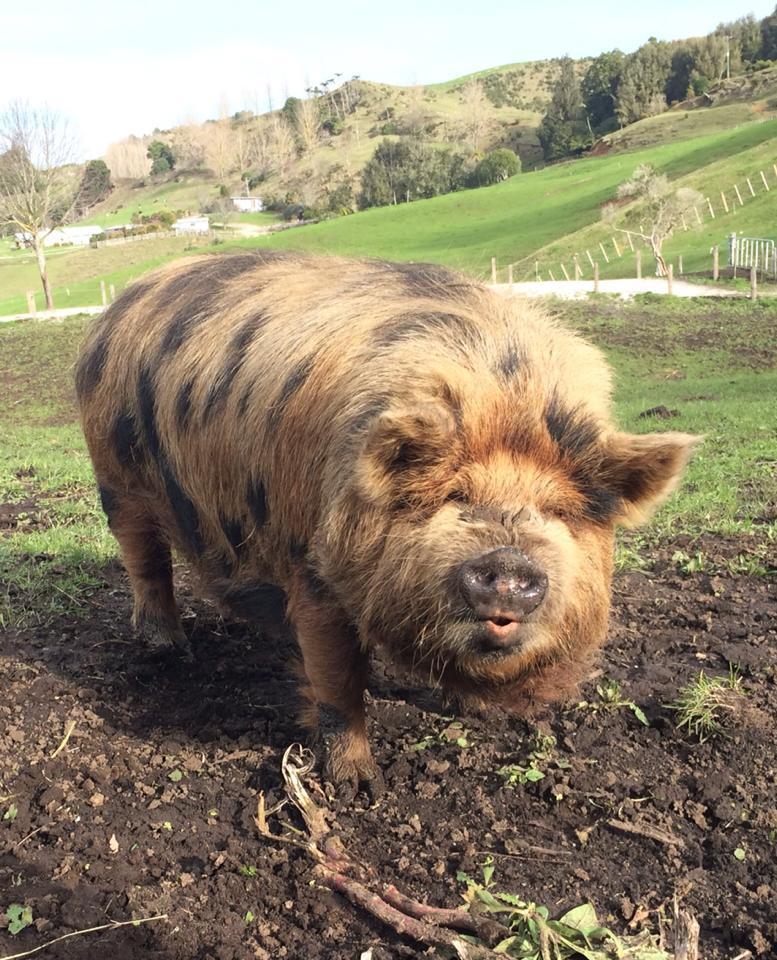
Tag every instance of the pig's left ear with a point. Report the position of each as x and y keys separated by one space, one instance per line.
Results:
x=643 y=469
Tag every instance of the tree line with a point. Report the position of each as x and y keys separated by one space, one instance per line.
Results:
x=618 y=89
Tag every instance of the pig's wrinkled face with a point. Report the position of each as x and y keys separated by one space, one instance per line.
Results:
x=494 y=551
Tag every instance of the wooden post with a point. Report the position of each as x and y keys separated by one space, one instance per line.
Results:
x=590 y=258
x=596 y=277
x=31 y=303
x=564 y=271
x=698 y=218
x=615 y=244
x=670 y=279
x=709 y=204
x=103 y=294
x=774 y=167
x=639 y=264
x=715 y=263
x=763 y=177
x=750 y=187
x=739 y=196
x=537 y=270
x=493 y=270
x=685 y=225
x=680 y=265
x=725 y=202
x=604 y=253
x=112 y=292
x=578 y=271
x=753 y=283
x=631 y=245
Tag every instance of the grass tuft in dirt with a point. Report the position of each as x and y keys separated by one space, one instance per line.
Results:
x=705 y=705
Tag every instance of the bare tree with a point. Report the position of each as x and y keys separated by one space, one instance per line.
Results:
x=218 y=143
x=37 y=190
x=475 y=113
x=128 y=158
x=658 y=210
x=307 y=120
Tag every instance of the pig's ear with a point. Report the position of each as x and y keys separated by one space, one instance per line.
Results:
x=405 y=453
x=643 y=469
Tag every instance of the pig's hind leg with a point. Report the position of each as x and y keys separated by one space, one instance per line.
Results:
x=145 y=552
x=336 y=670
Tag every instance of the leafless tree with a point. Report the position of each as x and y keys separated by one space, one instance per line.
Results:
x=128 y=158
x=38 y=187
x=657 y=212
x=475 y=113
x=307 y=120
x=218 y=144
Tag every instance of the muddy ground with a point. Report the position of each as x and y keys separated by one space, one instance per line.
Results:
x=149 y=806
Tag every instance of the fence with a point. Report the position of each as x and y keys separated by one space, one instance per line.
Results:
x=617 y=247
x=752 y=252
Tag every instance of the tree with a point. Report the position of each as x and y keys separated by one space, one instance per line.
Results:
x=769 y=36
x=475 y=113
x=657 y=212
x=128 y=158
x=599 y=86
x=745 y=32
x=496 y=166
x=307 y=122
x=564 y=130
x=38 y=190
x=161 y=156
x=400 y=171
x=95 y=184
x=642 y=89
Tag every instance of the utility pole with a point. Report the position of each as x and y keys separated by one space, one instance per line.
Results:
x=728 y=39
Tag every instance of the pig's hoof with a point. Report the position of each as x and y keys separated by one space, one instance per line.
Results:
x=348 y=762
x=162 y=636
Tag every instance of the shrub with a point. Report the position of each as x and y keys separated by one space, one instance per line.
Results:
x=496 y=166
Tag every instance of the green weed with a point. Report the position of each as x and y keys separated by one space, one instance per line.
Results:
x=540 y=758
x=702 y=704
x=611 y=699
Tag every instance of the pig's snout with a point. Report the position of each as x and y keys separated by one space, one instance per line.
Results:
x=502 y=588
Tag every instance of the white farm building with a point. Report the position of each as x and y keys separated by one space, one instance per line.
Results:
x=248 y=204
x=191 y=225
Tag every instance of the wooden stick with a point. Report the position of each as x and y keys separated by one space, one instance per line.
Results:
x=493 y=269
x=71 y=727
x=750 y=186
x=712 y=211
x=765 y=181
x=596 y=277
x=604 y=253
x=739 y=196
x=113 y=925
x=564 y=271
x=725 y=202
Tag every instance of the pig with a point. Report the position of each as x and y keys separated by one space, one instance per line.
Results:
x=419 y=463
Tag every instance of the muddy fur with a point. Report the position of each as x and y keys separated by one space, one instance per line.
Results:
x=352 y=432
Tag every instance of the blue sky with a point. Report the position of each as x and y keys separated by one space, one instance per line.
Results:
x=119 y=68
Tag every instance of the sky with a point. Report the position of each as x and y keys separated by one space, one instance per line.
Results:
x=115 y=68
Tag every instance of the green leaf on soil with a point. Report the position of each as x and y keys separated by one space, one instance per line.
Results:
x=533 y=775
x=11 y=812
x=582 y=918
x=739 y=853
x=175 y=776
x=19 y=917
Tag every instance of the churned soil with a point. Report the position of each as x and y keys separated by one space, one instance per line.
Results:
x=149 y=806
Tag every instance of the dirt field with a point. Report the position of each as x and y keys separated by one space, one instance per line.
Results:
x=148 y=807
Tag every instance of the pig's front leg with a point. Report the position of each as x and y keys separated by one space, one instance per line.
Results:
x=336 y=670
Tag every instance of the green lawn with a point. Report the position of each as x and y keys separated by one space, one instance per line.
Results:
x=714 y=363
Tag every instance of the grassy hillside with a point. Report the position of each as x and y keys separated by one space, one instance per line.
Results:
x=542 y=217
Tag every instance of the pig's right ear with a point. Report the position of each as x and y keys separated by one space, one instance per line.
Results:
x=405 y=454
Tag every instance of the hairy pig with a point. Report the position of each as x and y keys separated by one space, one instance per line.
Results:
x=419 y=464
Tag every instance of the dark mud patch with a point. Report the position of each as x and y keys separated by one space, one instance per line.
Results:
x=149 y=807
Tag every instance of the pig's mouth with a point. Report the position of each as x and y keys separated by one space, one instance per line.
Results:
x=501 y=630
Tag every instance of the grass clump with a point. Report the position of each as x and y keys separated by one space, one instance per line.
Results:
x=703 y=704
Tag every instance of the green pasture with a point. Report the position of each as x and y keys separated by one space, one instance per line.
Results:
x=712 y=363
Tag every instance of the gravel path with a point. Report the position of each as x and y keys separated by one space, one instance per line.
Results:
x=574 y=289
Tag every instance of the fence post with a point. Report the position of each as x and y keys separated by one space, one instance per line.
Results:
x=763 y=177
x=510 y=274
x=103 y=294
x=615 y=244
x=715 y=263
x=112 y=292
x=31 y=303
x=537 y=270
x=577 y=268
x=590 y=258
x=550 y=274
x=725 y=202
x=639 y=264
x=604 y=253
x=753 y=283
x=709 y=204
x=739 y=196
x=596 y=277
x=564 y=271
x=750 y=186
x=680 y=265
x=669 y=279
x=493 y=269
